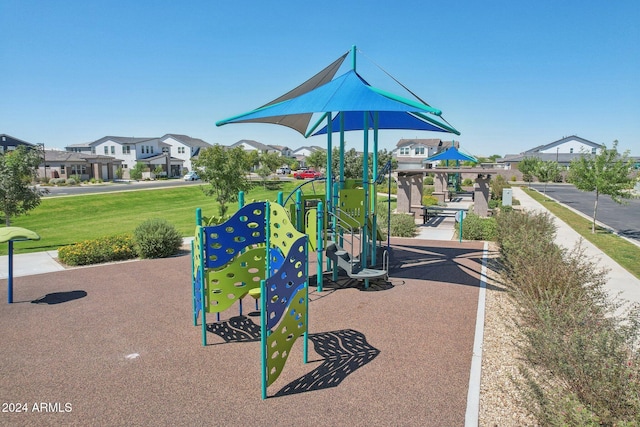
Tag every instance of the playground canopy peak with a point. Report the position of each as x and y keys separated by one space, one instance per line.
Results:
x=452 y=153
x=349 y=93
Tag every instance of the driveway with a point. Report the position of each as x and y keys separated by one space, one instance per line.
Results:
x=624 y=218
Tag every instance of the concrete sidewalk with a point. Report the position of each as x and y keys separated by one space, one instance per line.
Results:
x=621 y=282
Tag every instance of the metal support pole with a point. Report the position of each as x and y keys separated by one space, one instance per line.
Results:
x=10 y=277
x=365 y=184
x=319 y=247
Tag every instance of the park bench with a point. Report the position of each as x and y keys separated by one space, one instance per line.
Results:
x=434 y=211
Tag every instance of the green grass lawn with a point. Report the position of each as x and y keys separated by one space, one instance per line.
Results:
x=620 y=250
x=64 y=220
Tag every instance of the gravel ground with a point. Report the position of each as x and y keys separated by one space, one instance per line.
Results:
x=500 y=402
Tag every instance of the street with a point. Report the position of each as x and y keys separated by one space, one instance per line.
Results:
x=108 y=187
x=624 y=219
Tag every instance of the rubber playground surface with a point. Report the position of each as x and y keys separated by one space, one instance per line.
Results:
x=115 y=345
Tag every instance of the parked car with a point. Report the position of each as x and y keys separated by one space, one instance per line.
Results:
x=306 y=174
x=284 y=170
x=191 y=176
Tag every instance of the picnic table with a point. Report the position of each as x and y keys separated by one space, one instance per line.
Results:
x=453 y=194
x=434 y=211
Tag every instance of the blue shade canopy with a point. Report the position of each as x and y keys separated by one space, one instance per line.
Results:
x=353 y=120
x=451 y=153
x=347 y=93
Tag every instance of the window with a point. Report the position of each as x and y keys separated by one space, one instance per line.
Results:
x=78 y=169
x=180 y=150
x=126 y=149
x=419 y=151
x=106 y=150
x=570 y=150
x=593 y=150
x=93 y=150
x=151 y=149
x=405 y=151
x=113 y=149
x=62 y=169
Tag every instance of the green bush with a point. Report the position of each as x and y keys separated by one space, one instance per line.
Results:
x=467 y=182
x=582 y=360
x=497 y=184
x=429 y=201
x=403 y=225
x=156 y=238
x=428 y=180
x=475 y=227
x=107 y=249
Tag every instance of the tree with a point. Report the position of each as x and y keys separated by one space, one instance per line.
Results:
x=528 y=166
x=18 y=169
x=317 y=159
x=225 y=170
x=604 y=173
x=136 y=171
x=546 y=171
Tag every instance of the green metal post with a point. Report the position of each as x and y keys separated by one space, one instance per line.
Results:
x=281 y=198
x=329 y=180
x=353 y=57
x=365 y=184
x=264 y=332
x=319 y=247
x=305 y=346
x=374 y=197
x=240 y=199
x=336 y=238
x=299 y=211
x=341 y=162
x=263 y=337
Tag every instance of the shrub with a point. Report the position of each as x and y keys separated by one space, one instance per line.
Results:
x=467 y=182
x=582 y=360
x=112 y=248
x=428 y=180
x=156 y=238
x=58 y=181
x=497 y=184
x=403 y=225
x=475 y=227
x=513 y=178
x=71 y=181
x=429 y=201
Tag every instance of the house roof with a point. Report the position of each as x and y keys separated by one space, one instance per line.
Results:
x=5 y=139
x=122 y=140
x=72 y=156
x=255 y=144
x=430 y=142
x=187 y=140
x=562 y=141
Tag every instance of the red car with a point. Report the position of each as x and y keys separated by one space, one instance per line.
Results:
x=305 y=174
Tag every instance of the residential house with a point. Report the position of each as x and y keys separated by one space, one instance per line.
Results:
x=172 y=152
x=9 y=143
x=410 y=153
x=562 y=151
x=65 y=164
x=301 y=154
x=184 y=148
x=251 y=145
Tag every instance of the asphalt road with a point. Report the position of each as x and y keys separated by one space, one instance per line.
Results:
x=109 y=187
x=624 y=219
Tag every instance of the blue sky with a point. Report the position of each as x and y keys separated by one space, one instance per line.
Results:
x=509 y=75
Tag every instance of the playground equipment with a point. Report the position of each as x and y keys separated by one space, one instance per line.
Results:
x=256 y=249
x=10 y=235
